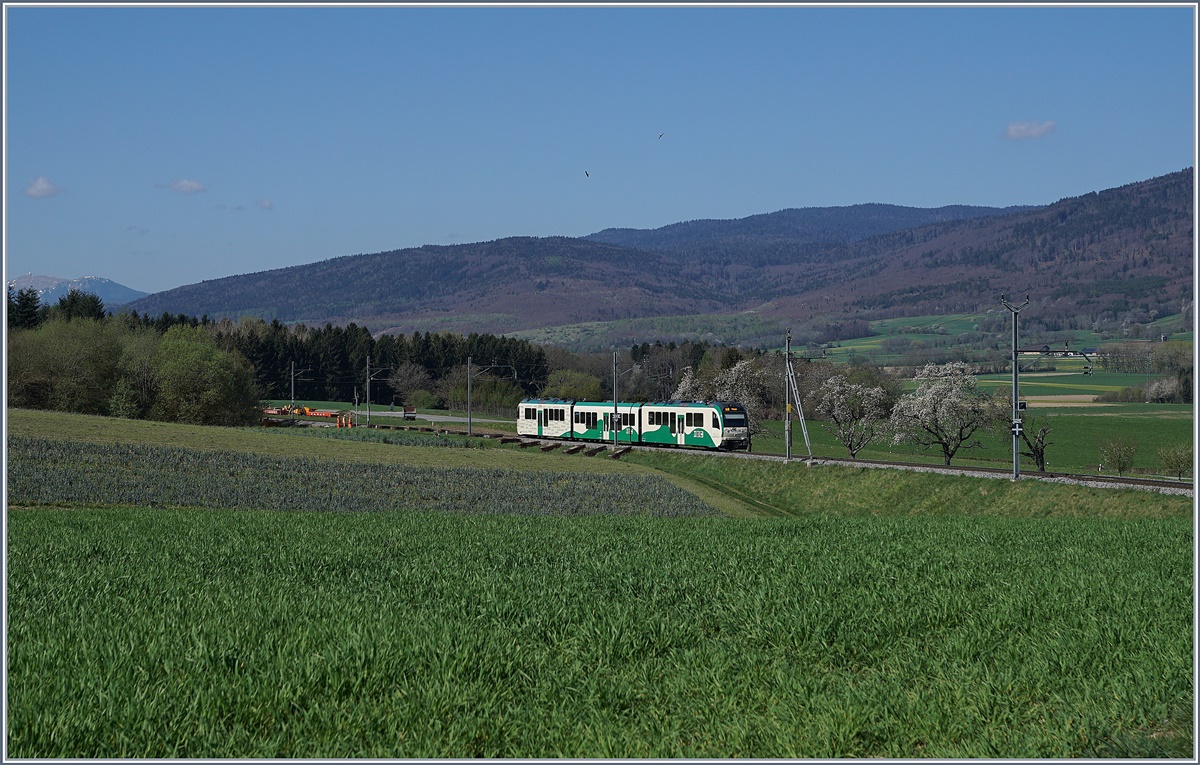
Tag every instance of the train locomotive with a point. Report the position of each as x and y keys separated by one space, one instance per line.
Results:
x=723 y=425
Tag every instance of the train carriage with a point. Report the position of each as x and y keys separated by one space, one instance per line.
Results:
x=544 y=418
x=701 y=424
x=597 y=420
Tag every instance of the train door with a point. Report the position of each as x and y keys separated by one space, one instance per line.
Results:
x=541 y=420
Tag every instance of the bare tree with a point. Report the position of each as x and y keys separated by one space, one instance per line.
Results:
x=1034 y=433
x=1038 y=443
x=408 y=378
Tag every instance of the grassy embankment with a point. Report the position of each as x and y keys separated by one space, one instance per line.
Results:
x=888 y=615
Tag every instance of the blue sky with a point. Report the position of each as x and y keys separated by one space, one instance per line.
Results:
x=163 y=146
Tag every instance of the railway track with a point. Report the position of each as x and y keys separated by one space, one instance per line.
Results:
x=1115 y=482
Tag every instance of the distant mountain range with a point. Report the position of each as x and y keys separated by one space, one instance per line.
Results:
x=1101 y=257
x=51 y=288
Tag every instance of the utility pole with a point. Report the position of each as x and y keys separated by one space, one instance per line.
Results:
x=1016 y=419
x=369 y=378
x=469 y=396
x=787 y=397
x=789 y=375
x=292 y=410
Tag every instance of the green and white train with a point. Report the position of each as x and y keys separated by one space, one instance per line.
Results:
x=704 y=424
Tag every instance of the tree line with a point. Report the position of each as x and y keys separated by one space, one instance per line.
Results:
x=74 y=356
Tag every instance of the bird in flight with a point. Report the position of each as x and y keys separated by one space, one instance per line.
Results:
x=660 y=135
x=585 y=172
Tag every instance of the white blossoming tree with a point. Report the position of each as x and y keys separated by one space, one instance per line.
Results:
x=855 y=414
x=945 y=410
x=743 y=382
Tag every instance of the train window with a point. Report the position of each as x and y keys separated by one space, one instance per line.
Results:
x=529 y=415
x=716 y=422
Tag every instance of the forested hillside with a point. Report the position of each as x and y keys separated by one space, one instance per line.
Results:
x=1102 y=260
x=787 y=235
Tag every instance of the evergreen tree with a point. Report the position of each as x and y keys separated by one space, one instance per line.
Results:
x=24 y=309
x=77 y=304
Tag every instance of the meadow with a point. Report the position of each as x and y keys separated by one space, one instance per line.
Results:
x=937 y=329
x=847 y=613
x=1075 y=439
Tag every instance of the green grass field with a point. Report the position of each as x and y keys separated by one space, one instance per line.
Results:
x=940 y=328
x=1063 y=383
x=848 y=613
x=1075 y=439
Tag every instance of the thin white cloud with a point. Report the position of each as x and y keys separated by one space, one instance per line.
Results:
x=1019 y=131
x=42 y=188
x=186 y=186
x=265 y=204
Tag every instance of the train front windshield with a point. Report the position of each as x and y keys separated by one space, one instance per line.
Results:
x=735 y=420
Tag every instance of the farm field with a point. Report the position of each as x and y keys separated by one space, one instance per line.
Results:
x=862 y=613
x=938 y=330
x=1063 y=383
x=1075 y=439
